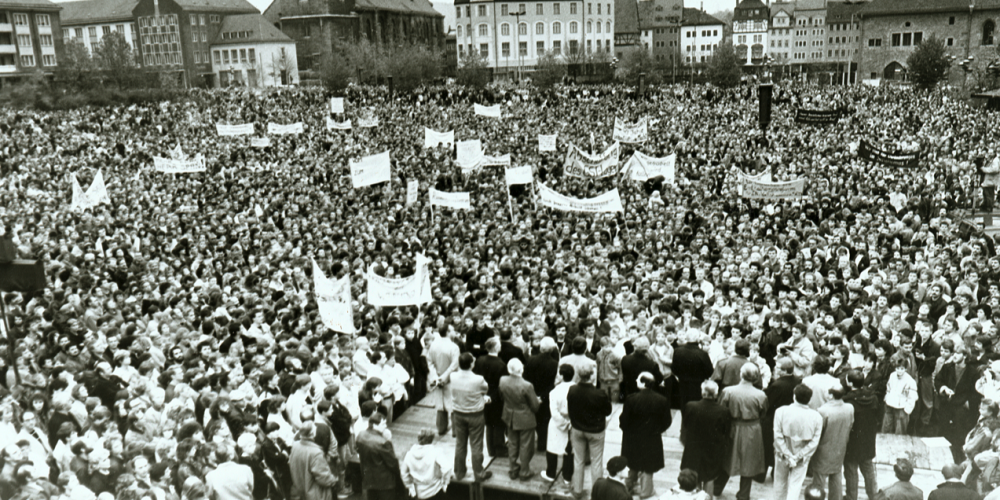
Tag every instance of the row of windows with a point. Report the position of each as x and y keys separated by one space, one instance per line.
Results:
x=154 y=21
x=237 y=57
x=845 y=26
x=522 y=29
x=750 y=26
x=705 y=47
x=906 y=39
x=742 y=39
x=803 y=55
x=843 y=39
x=196 y=35
x=200 y=19
x=809 y=21
x=161 y=59
x=704 y=33
x=23 y=20
x=841 y=52
x=505 y=10
x=780 y=43
x=234 y=35
x=556 y=49
x=201 y=57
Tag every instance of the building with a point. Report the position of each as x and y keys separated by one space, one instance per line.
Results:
x=250 y=51
x=660 y=22
x=701 y=35
x=30 y=38
x=890 y=29
x=781 y=33
x=751 y=19
x=628 y=36
x=809 y=31
x=515 y=35
x=317 y=25
x=89 y=20
x=843 y=39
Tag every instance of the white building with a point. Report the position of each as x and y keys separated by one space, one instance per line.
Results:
x=250 y=51
x=89 y=20
x=701 y=35
x=750 y=30
x=507 y=39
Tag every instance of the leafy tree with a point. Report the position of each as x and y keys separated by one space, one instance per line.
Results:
x=412 y=65
x=76 y=67
x=634 y=63
x=473 y=71
x=335 y=72
x=116 y=59
x=724 y=69
x=551 y=70
x=928 y=63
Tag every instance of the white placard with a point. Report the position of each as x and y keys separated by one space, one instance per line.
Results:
x=234 y=130
x=412 y=191
x=336 y=104
x=291 y=128
x=518 y=175
x=469 y=154
x=488 y=111
x=333 y=297
x=414 y=290
x=642 y=167
x=459 y=201
x=607 y=202
x=630 y=132
x=433 y=138
x=260 y=142
x=371 y=170
x=168 y=166
x=547 y=142
x=331 y=124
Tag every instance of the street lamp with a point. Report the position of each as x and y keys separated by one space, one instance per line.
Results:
x=966 y=65
x=517 y=40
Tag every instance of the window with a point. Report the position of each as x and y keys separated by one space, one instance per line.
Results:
x=874 y=42
x=539 y=28
x=572 y=29
x=950 y=42
x=988 y=28
x=505 y=29
x=539 y=9
x=45 y=40
x=243 y=55
x=194 y=20
x=235 y=56
x=555 y=8
x=522 y=49
x=590 y=8
x=43 y=20
x=520 y=8
x=48 y=60
x=21 y=20
x=253 y=56
x=574 y=46
x=484 y=30
x=218 y=57
x=598 y=25
x=201 y=19
x=27 y=60
x=66 y=34
x=572 y=9
x=556 y=28
x=556 y=47
x=468 y=13
x=505 y=49
x=481 y=11
x=522 y=29
x=539 y=48
x=907 y=39
x=484 y=49
x=951 y=20
x=590 y=27
x=896 y=38
x=24 y=40
x=461 y=48
x=78 y=32
x=458 y=11
x=225 y=57
x=215 y=18
x=197 y=57
x=194 y=36
x=92 y=31
x=598 y=9
x=918 y=37
x=459 y=31
x=590 y=46
x=503 y=10
x=105 y=31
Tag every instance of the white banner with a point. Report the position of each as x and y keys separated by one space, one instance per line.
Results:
x=367 y=118
x=488 y=111
x=96 y=194
x=642 y=167
x=334 y=301
x=232 y=130
x=459 y=201
x=278 y=129
x=757 y=190
x=433 y=138
x=371 y=170
x=414 y=290
x=336 y=104
x=547 y=142
x=168 y=166
x=607 y=202
x=412 y=191
x=630 y=132
x=335 y=125
x=260 y=142
x=581 y=164
x=519 y=175
x=469 y=154
x=496 y=161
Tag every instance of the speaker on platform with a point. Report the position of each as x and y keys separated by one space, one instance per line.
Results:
x=764 y=93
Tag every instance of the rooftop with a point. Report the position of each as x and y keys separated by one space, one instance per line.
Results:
x=626 y=16
x=254 y=26
x=839 y=12
x=745 y=11
x=221 y=6
x=894 y=7
x=414 y=7
x=96 y=11
x=695 y=17
x=29 y=5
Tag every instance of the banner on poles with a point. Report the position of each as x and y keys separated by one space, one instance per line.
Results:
x=547 y=142
x=496 y=161
x=336 y=104
x=872 y=153
x=433 y=138
x=581 y=164
x=414 y=290
x=333 y=297
x=278 y=129
x=488 y=111
x=367 y=118
x=234 y=130
x=817 y=117
x=630 y=132
x=260 y=142
x=518 y=175
x=757 y=190
x=169 y=166
x=335 y=125
x=412 y=191
x=642 y=167
x=458 y=201
x=607 y=202
x=371 y=170
x=469 y=154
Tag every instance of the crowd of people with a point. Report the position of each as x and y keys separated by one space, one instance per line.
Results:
x=178 y=351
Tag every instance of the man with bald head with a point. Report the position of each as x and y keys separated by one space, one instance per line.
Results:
x=747 y=405
x=541 y=371
x=953 y=488
x=636 y=363
x=519 y=407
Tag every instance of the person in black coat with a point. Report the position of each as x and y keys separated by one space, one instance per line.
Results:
x=636 y=363
x=508 y=350
x=613 y=487
x=691 y=366
x=861 y=440
x=705 y=435
x=492 y=368
x=956 y=383
x=644 y=419
x=779 y=393
x=540 y=370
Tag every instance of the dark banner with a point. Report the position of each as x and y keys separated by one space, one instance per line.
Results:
x=817 y=117
x=898 y=160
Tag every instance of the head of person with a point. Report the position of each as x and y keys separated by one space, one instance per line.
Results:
x=547 y=344
x=425 y=437
x=785 y=366
x=802 y=394
x=618 y=468
x=465 y=361
x=579 y=346
x=377 y=422
x=492 y=345
x=952 y=471
x=515 y=367
x=903 y=469
x=641 y=344
x=567 y=372
x=586 y=373
x=645 y=380
x=687 y=480
x=821 y=364
x=749 y=372
x=709 y=389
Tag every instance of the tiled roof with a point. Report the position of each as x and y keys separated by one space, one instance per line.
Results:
x=260 y=30
x=650 y=17
x=894 y=7
x=414 y=7
x=744 y=9
x=695 y=17
x=29 y=4
x=232 y=6
x=96 y=11
x=627 y=16
x=839 y=12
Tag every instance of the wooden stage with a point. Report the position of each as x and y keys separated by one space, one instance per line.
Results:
x=928 y=461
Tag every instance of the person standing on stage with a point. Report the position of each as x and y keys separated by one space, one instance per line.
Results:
x=747 y=405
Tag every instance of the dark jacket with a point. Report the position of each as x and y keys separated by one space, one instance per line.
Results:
x=588 y=407
x=379 y=464
x=634 y=364
x=644 y=419
x=691 y=366
x=953 y=491
x=609 y=489
x=492 y=369
x=705 y=436
x=779 y=393
x=861 y=442
x=541 y=370
x=509 y=351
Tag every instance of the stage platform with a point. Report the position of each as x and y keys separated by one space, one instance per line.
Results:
x=928 y=461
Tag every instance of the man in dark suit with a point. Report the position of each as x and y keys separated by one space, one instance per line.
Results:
x=635 y=364
x=705 y=435
x=492 y=368
x=861 y=440
x=644 y=419
x=613 y=487
x=692 y=366
x=953 y=488
x=540 y=371
x=379 y=464
x=589 y=408
x=508 y=350
x=780 y=392
x=519 y=407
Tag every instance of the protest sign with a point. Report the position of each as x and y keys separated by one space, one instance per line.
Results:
x=178 y=153
x=371 y=170
x=234 y=130
x=518 y=175
x=335 y=125
x=260 y=142
x=336 y=104
x=412 y=191
x=496 y=161
x=433 y=138
x=547 y=142
x=817 y=117
x=757 y=190
x=581 y=164
x=607 y=202
x=278 y=129
x=630 y=132
x=96 y=194
x=642 y=167
x=872 y=153
x=414 y=290
x=169 y=166
x=459 y=201
x=333 y=297
x=488 y=111
x=367 y=118
x=469 y=154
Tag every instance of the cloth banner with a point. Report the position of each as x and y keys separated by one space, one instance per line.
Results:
x=547 y=142
x=488 y=111
x=630 y=132
x=469 y=154
x=260 y=142
x=642 y=167
x=518 y=175
x=607 y=202
x=334 y=125
x=817 y=117
x=899 y=160
x=581 y=164
x=178 y=153
x=336 y=104
x=433 y=138
x=278 y=129
x=367 y=118
x=233 y=130
x=763 y=177
x=168 y=166
x=757 y=190
x=96 y=194
x=411 y=291
x=334 y=300
x=371 y=170
x=459 y=201
x=496 y=161
x=412 y=191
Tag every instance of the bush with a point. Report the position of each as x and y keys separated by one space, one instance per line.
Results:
x=634 y=63
x=928 y=63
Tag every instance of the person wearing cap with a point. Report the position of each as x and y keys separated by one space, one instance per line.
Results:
x=612 y=486
x=644 y=418
x=797 y=432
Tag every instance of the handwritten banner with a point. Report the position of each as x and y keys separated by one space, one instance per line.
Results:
x=335 y=125
x=607 y=202
x=414 y=290
x=278 y=129
x=171 y=166
x=642 y=167
x=260 y=142
x=630 y=132
x=371 y=170
x=757 y=190
x=95 y=195
x=581 y=164
x=469 y=154
x=547 y=142
x=496 y=161
x=459 y=201
x=333 y=297
x=518 y=175
x=336 y=104
x=817 y=117
x=234 y=130
x=488 y=111
x=433 y=138
x=899 y=160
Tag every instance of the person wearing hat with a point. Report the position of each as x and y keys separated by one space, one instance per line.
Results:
x=636 y=363
x=613 y=486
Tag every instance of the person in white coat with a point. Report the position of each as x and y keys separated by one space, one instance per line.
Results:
x=557 y=444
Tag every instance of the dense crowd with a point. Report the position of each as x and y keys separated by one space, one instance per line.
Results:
x=178 y=351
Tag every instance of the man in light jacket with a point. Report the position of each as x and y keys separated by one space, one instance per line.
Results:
x=797 y=431
x=311 y=475
x=828 y=462
x=519 y=407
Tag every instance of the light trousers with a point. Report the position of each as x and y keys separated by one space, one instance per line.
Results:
x=788 y=480
x=586 y=444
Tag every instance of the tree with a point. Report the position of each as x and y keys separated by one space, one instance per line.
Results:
x=116 y=59
x=928 y=63
x=76 y=67
x=634 y=63
x=724 y=69
x=335 y=71
x=551 y=71
x=412 y=65
x=473 y=71
x=282 y=69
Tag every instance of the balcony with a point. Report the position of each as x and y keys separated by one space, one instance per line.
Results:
x=8 y=49
x=8 y=68
x=6 y=27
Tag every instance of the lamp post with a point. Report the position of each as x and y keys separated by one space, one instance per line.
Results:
x=517 y=40
x=966 y=65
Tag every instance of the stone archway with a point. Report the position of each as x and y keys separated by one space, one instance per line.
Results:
x=894 y=71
